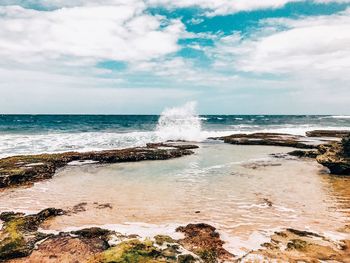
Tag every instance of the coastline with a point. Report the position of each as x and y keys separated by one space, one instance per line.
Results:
x=271 y=244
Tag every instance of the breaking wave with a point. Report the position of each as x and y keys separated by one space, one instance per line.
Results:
x=179 y=123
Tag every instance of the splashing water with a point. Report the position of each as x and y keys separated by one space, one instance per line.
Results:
x=179 y=123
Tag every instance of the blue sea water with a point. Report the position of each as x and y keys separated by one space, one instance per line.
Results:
x=25 y=134
x=38 y=124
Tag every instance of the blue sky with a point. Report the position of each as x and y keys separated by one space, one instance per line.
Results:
x=139 y=56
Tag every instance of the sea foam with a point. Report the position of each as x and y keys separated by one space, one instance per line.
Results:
x=180 y=123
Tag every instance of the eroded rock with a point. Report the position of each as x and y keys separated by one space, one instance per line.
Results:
x=336 y=156
x=64 y=248
x=272 y=139
x=204 y=241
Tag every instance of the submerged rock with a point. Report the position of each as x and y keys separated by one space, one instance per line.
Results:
x=30 y=168
x=305 y=154
x=260 y=164
x=336 y=156
x=19 y=232
x=272 y=139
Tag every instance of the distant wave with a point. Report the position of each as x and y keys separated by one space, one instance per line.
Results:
x=336 y=117
x=341 y=117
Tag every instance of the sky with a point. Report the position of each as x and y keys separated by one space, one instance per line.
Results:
x=140 y=56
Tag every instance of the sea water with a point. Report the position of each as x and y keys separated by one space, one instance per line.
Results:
x=28 y=134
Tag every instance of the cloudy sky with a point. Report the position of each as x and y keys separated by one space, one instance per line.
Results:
x=139 y=56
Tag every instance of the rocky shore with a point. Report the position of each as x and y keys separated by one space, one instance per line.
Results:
x=26 y=169
x=22 y=240
x=331 y=153
x=23 y=169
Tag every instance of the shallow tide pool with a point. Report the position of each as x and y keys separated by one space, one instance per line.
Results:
x=242 y=190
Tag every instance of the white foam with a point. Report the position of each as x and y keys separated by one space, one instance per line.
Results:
x=340 y=117
x=143 y=230
x=179 y=123
x=239 y=246
x=16 y=144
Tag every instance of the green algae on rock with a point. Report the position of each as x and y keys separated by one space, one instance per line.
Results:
x=161 y=239
x=30 y=168
x=96 y=245
x=135 y=251
x=201 y=243
x=19 y=232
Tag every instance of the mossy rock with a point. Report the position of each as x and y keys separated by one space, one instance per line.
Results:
x=19 y=233
x=12 y=241
x=208 y=256
x=187 y=258
x=134 y=251
x=161 y=239
x=297 y=244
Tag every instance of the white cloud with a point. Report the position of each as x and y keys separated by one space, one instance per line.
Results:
x=62 y=46
x=41 y=92
x=122 y=32
x=318 y=46
x=52 y=4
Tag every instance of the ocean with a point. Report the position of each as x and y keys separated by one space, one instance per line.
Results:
x=26 y=134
